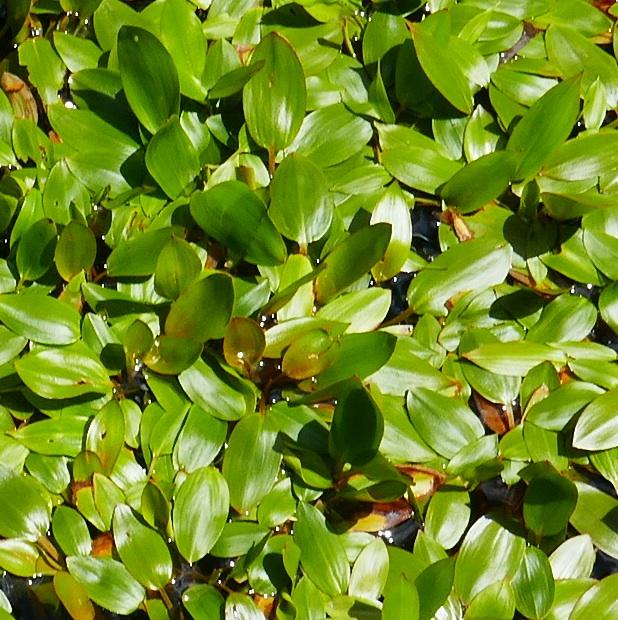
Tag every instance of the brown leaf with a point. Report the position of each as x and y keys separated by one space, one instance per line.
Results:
x=20 y=96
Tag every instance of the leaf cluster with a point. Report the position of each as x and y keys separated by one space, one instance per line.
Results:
x=309 y=309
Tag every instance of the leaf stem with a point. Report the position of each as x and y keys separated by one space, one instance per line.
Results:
x=346 y=39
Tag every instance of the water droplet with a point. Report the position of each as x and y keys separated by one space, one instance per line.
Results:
x=589 y=286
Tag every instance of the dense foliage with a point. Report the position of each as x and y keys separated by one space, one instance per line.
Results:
x=309 y=309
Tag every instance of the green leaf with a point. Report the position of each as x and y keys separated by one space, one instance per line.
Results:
x=480 y=182
x=238 y=605
x=330 y=135
x=171 y=158
x=170 y=355
x=469 y=266
x=322 y=555
x=608 y=305
x=300 y=204
x=357 y=427
x=178 y=265
x=446 y=424
x=544 y=127
x=141 y=549
x=40 y=318
x=401 y=602
x=350 y=259
x=234 y=215
x=447 y=516
x=586 y=157
x=573 y=559
x=35 y=252
x=214 y=296
x=63 y=372
x=393 y=207
x=515 y=358
x=533 y=584
x=77 y=53
x=182 y=35
x=599 y=236
x=57 y=437
x=488 y=554
x=84 y=131
x=107 y=582
x=149 y=77
x=496 y=601
x=274 y=99
x=369 y=571
x=45 y=69
x=251 y=464
x=441 y=68
x=105 y=436
x=75 y=251
x=215 y=391
x=138 y=256
x=598 y=602
x=71 y=532
x=362 y=310
x=243 y=344
x=418 y=167
x=596 y=514
x=310 y=355
x=196 y=530
x=26 y=508
x=73 y=596
x=549 y=502
x=238 y=538
x=203 y=601
x=597 y=426
x=567 y=317
x=199 y=441
x=569 y=49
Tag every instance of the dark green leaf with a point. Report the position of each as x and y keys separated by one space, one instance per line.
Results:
x=149 y=77
x=234 y=215
x=480 y=181
x=171 y=158
x=75 y=251
x=350 y=259
x=357 y=427
x=214 y=296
